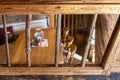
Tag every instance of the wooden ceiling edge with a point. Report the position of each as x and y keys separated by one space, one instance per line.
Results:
x=51 y=71
x=61 y=9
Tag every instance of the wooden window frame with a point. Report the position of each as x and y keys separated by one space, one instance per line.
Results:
x=104 y=8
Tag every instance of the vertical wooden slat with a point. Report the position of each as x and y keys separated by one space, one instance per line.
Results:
x=6 y=41
x=28 y=48
x=68 y=21
x=84 y=21
x=72 y=30
x=83 y=62
x=64 y=21
x=55 y=19
x=57 y=39
x=76 y=22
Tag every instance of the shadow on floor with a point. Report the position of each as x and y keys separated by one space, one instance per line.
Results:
x=113 y=76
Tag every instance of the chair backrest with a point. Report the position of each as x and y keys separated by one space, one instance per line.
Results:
x=69 y=41
x=65 y=33
x=71 y=51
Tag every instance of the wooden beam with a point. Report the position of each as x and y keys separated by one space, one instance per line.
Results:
x=112 y=49
x=58 y=33
x=6 y=41
x=51 y=71
x=60 y=9
x=57 y=1
x=83 y=62
x=28 y=42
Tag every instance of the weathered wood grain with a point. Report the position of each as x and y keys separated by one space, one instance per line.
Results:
x=92 y=27
x=57 y=1
x=6 y=41
x=60 y=9
x=28 y=39
x=112 y=49
x=58 y=33
x=51 y=71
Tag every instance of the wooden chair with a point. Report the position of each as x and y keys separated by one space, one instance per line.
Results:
x=69 y=41
x=65 y=33
x=71 y=51
x=10 y=34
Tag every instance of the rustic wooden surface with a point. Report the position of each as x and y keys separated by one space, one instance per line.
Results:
x=6 y=41
x=38 y=55
x=59 y=1
x=27 y=38
x=59 y=9
x=112 y=49
x=57 y=43
x=51 y=71
x=87 y=47
x=104 y=28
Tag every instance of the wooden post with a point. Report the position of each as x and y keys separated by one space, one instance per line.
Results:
x=72 y=25
x=6 y=41
x=28 y=48
x=51 y=20
x=76 y=22
x=57 y=39
x=83 y=62
x=84 y=21
x=64 y=21
x=68 y=21
x=112 y=49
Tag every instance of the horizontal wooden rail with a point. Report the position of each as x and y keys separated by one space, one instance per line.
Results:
x=60 y=9
x=51 y=65
x=57 y=1
x=51 y=71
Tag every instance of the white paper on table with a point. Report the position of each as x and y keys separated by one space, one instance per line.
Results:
x=44 y=43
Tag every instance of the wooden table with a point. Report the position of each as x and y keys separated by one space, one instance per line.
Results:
x=39 y=55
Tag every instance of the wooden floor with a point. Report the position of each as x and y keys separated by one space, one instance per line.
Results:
x=39 y=55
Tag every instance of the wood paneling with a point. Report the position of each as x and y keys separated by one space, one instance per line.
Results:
x=112 y=49
x=104 y=27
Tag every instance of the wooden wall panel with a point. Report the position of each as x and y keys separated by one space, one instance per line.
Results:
x=104 y=29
